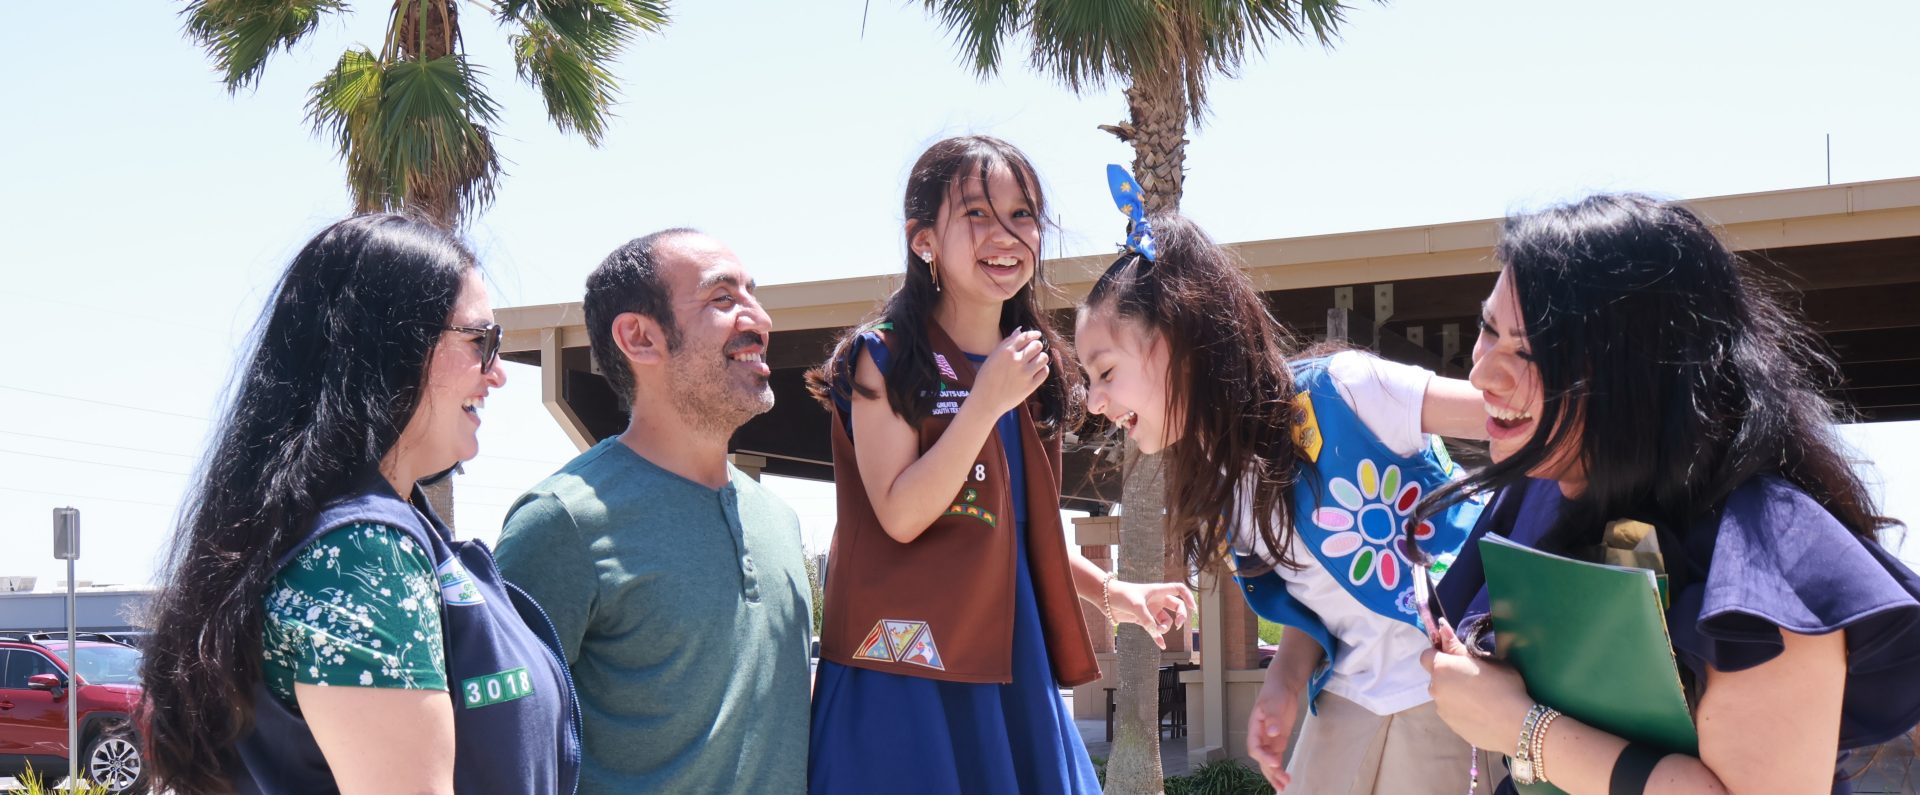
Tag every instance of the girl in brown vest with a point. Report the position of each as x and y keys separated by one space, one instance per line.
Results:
x=952 y=601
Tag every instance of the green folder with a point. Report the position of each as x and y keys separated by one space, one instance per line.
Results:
x=1591 y=641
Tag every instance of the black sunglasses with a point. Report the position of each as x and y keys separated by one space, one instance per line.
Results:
x=489 y=338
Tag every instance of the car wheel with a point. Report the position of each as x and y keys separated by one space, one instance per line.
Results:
x=113 y=760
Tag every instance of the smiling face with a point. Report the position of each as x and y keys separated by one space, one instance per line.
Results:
x=1127 y=374
x=444 y=429
x=986 y=241
x=1508 y=378
x=717 y=375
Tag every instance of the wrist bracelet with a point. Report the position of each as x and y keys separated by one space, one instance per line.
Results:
x=1106 y=598
x=1522 y=763
x=1539 y=744
x=1524 y=746
x=1633 y=768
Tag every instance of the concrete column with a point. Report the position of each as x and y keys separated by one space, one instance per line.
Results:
x=1096 y=537
x=1207 y=714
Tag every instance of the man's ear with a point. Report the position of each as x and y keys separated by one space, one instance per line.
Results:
x=640 y=339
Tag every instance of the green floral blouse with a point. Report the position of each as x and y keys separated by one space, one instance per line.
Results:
x=359 y=606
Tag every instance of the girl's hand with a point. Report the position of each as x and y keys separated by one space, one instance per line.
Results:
x=1481 y=700
x=1158 y=607
x=1270 y=731
x=1015 y=367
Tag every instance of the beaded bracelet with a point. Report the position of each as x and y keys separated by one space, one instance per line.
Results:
x=1106 y=597
x=1538 y=744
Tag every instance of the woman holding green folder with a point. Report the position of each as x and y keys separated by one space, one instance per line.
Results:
x=1634 y=368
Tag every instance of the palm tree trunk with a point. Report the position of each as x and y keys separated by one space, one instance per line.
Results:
x=1158 y=132
x=1157 y=105
x=1134 y=766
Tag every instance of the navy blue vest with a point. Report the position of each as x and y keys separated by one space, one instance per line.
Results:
x=515 y=716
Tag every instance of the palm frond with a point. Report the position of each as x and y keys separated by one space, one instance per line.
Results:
x=1083 y=44
x=241 y=34
x=413 y=133
x=566 y=49
x=432 y=135
x=978 y=27
x=577 y=88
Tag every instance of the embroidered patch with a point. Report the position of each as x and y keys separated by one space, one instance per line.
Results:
x=1368 y=518
x=972 y=512
x=909 y=642
x=874 y=647
x=899 y=633
x=923 y=653
x=946 y=367
x=456 y=585
x=1306 y=435
x=1440 y=452
x=485 y=691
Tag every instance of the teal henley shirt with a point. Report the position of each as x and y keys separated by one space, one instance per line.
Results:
x=684 y=615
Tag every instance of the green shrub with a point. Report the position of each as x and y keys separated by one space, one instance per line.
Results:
x=1225 y=777
x=30 y=783
x=1269 y=631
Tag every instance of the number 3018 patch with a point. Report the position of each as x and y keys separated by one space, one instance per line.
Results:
x=485 y=691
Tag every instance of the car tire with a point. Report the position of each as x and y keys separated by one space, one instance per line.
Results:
x=113 y=759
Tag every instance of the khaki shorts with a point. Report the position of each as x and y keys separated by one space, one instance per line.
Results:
x=1346 y=750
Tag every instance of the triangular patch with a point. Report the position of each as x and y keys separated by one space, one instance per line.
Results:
x=874 y=647
x=923 y=653
x=900 y=634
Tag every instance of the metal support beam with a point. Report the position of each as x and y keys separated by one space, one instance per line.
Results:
x=553 y=390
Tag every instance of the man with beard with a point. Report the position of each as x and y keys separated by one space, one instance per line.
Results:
x=675 y=582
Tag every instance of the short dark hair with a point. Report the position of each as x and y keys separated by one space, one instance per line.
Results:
x=628 y=280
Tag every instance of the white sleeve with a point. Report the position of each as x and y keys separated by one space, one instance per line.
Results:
x=1386 y=395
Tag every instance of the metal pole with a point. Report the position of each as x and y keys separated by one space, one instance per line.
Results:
x=66 y=546
x=73 y=685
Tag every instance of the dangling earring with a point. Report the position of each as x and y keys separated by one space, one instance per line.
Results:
x=932 y=272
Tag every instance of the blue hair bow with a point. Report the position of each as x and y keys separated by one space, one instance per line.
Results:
x=1128 y=197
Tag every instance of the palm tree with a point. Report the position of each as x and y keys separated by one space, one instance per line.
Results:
x=411 y=119
x=1165 y=51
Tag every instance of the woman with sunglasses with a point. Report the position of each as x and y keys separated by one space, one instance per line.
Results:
x=1634 y=368
x=322 y=630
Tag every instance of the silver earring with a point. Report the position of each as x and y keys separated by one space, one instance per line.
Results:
x=926 y=257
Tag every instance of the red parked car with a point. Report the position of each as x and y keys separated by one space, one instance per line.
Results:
x=34 y=688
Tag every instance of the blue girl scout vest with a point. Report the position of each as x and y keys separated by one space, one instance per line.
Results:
x=515 y=716
x=1350 y=509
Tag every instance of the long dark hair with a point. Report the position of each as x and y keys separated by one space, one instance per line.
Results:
x=1680 y=370
x=911 y=379
x=336 y=372
x=1227 y=381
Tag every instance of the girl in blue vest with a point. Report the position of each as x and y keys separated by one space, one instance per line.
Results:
x=1302 y=475
x=321 y=630
x=949 y=623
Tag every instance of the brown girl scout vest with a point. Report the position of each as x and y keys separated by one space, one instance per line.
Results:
x=941 y=607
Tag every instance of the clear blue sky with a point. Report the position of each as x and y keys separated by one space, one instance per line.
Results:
x=146 y=212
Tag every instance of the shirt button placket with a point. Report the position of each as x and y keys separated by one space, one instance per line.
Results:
x=749 y=583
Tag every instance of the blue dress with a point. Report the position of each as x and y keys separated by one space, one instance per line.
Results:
x=876 y=732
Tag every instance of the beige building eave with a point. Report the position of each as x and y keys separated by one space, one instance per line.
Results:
x=1774 y=219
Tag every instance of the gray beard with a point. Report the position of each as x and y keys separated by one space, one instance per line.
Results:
x=709 y=403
